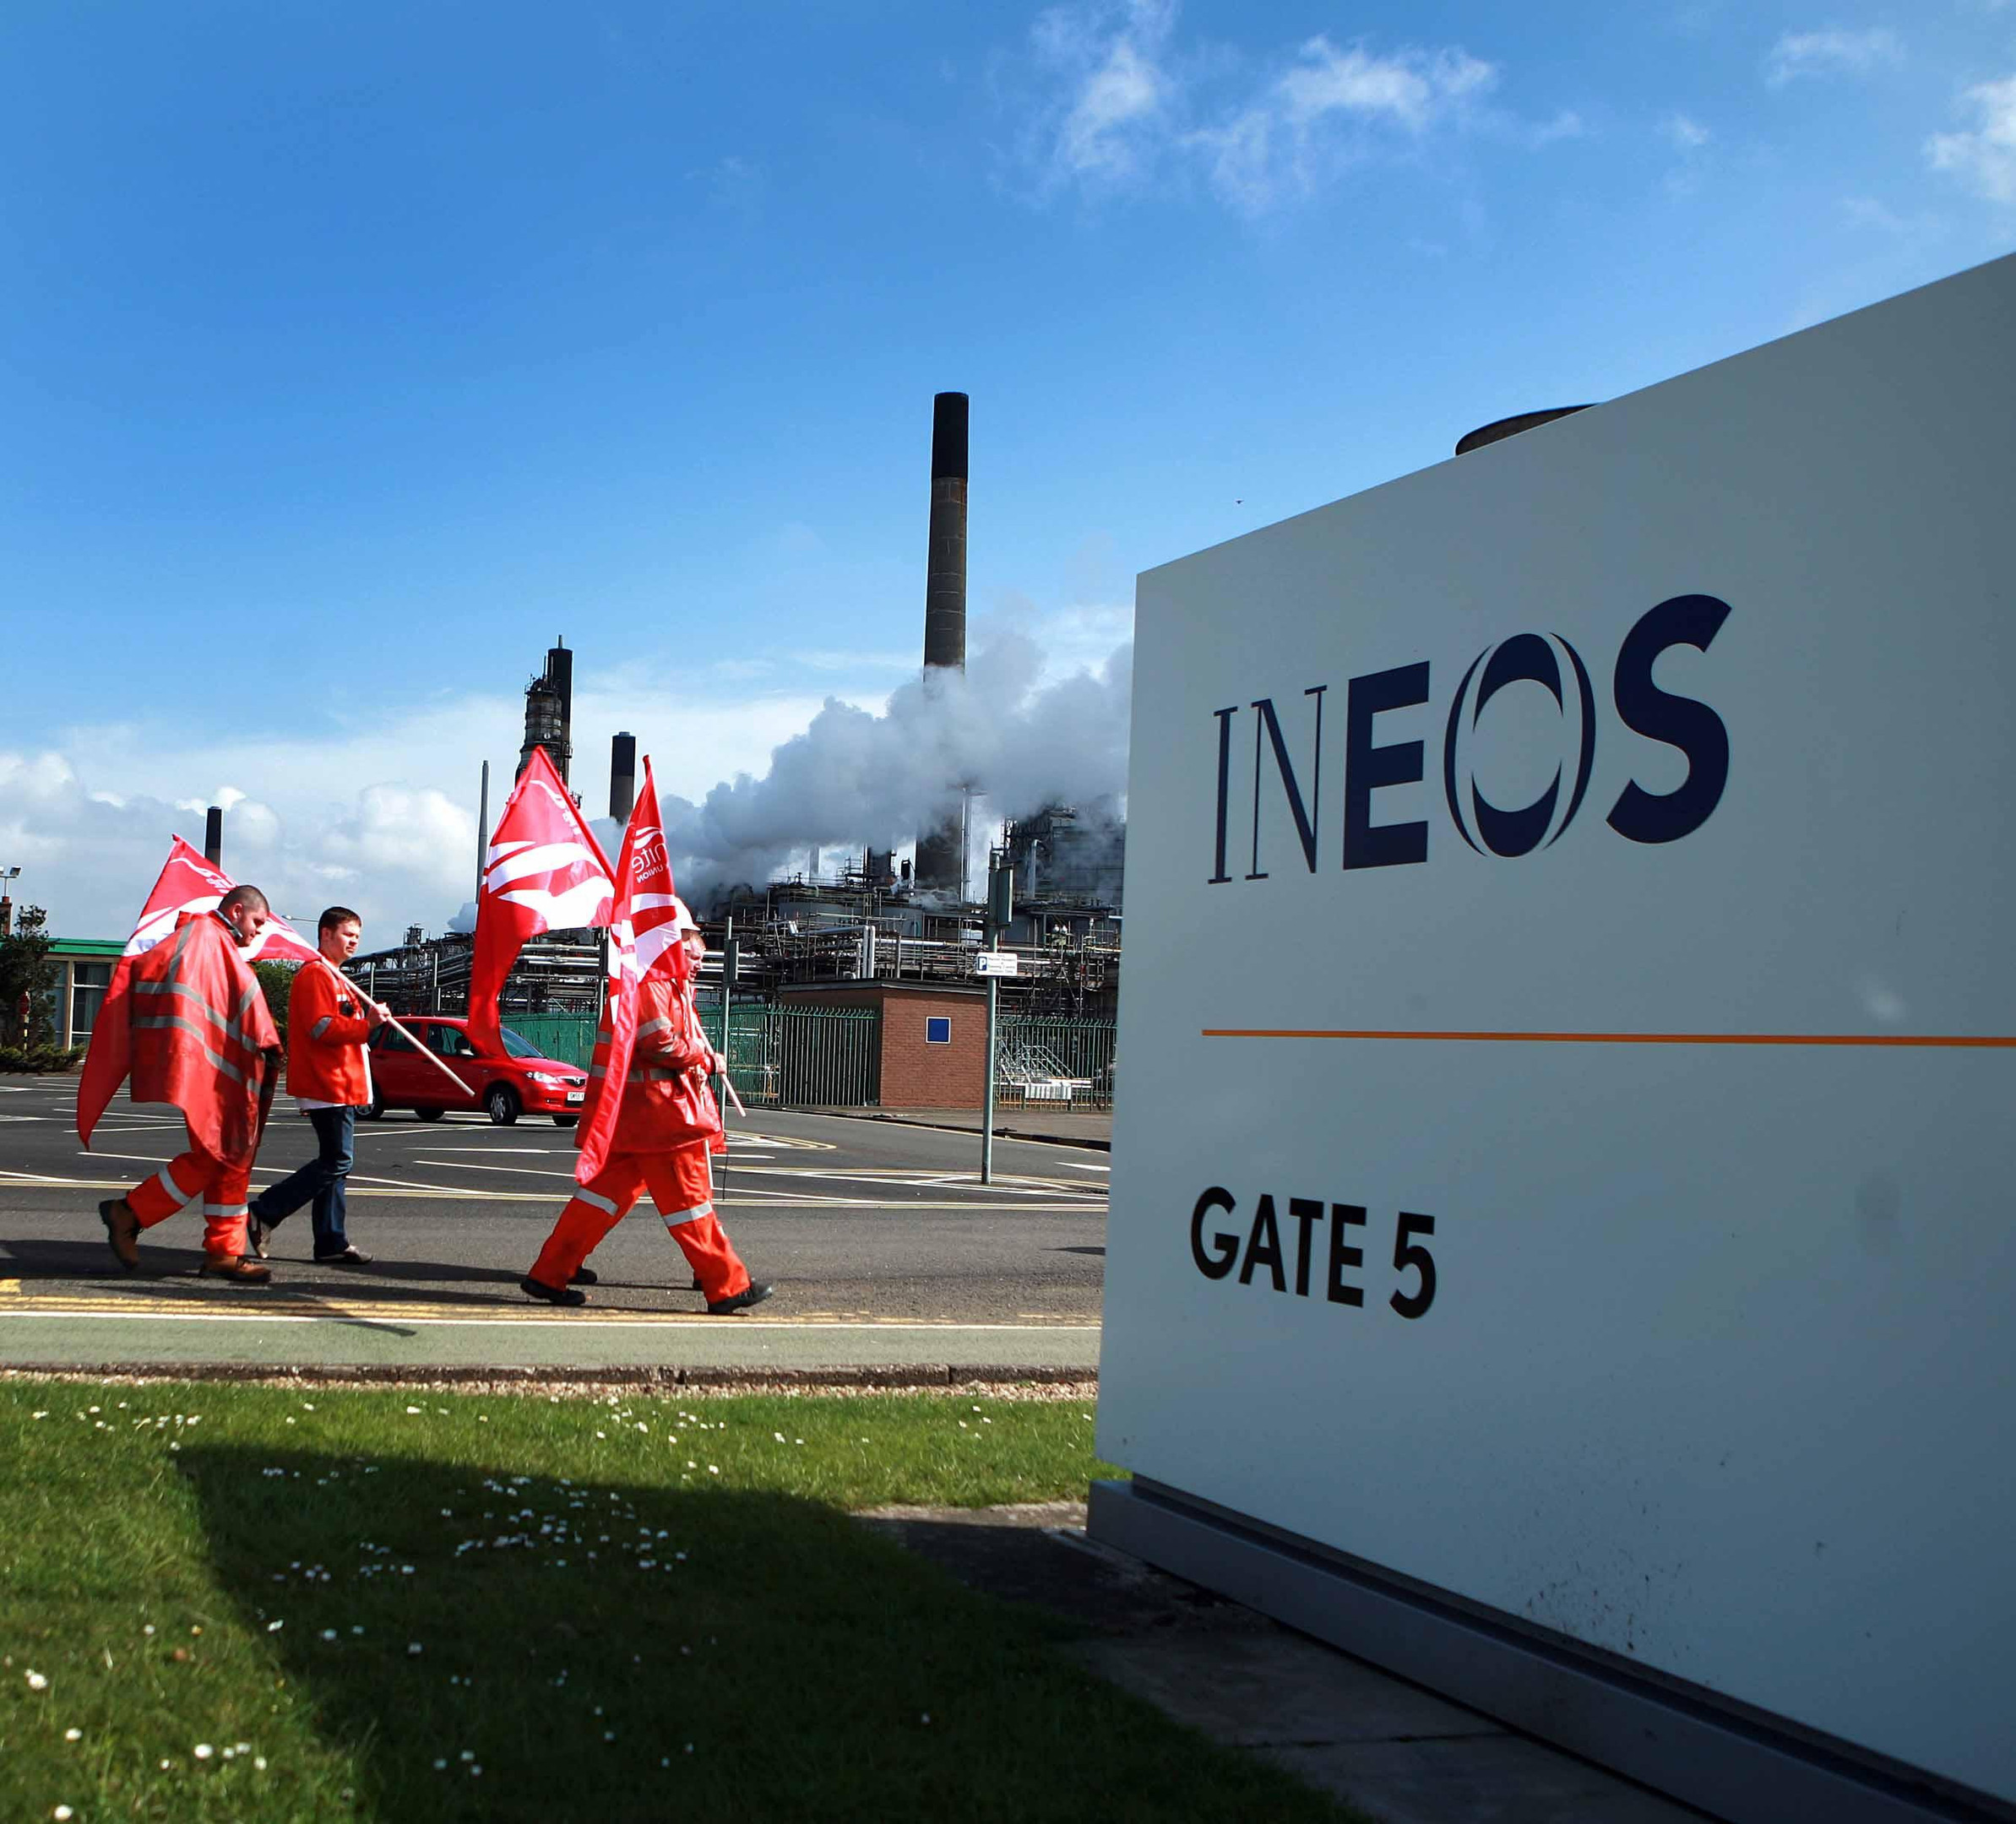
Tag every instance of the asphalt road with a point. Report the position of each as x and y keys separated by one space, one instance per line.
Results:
x=884 y=1247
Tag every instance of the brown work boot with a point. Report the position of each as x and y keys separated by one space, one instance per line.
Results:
x=122 y=1231
x=240 y=1267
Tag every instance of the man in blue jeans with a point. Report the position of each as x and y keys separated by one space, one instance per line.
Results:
x=329 y=1075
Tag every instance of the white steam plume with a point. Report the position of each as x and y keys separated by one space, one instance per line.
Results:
x=856 y=779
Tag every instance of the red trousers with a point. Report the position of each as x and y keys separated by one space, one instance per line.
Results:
x=682 y=1185
x=188 y=1177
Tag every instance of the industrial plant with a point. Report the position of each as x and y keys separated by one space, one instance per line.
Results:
x=857 y=928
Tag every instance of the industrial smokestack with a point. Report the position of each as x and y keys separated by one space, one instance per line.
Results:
x=623 y=776
x=483 y=831
x=560 y=673
x=940 y=863
x=213 y=836
x=550 y=712
x=945 y=565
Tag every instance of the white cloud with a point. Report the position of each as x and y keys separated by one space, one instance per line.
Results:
x=1331 y=109
x=1109 y=60
x=1567 y=124
x=1683 y=133
x=1081 y=638
x=1412 y=89
x=1867 y=212
x=1984 y=160
x=1124 y=110
x=1011 y=726
x=1830 y=52
x=383 y=818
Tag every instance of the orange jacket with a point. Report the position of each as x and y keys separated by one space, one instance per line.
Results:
x=667 y=1101
x=326 y=1031
x=188 y=1019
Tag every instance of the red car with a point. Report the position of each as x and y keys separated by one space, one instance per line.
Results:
x=503 y=1087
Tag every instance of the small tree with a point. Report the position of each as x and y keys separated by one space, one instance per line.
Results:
x=25 y=968
x=276 y=981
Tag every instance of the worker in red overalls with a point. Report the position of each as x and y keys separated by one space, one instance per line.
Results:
x=666 y=1126
x=189 y=1020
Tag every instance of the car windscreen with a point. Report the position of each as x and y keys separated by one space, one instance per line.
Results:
x=519 y=1047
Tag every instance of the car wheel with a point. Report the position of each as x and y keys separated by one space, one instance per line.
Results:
x=502 y=1105
x=426 y=1114
x=373 y=1110
x=565 y=1121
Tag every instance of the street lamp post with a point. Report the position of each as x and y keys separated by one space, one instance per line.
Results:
x=1001 y=910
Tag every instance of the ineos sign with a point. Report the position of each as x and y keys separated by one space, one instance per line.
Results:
x=1639 y=815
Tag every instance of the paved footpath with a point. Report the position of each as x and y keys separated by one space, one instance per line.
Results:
x=886 y=1250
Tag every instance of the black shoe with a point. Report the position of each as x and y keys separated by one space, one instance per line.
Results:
x=258 y=1236
x=349 y=1257
x=585 y=1276
x=539 y=1289
x=753 y=1293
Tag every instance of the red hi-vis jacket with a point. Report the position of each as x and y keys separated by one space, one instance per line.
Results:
x=666 y=1100
x=189 y=1021
x=326 y=1031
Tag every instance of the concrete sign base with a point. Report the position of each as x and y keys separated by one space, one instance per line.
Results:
x=1746 y=1768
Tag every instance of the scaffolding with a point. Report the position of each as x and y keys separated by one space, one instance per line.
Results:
x=868 y=922
x=551 y=975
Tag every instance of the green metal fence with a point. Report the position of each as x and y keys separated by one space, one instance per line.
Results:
x=567 y=1038
x=1056 y=1061
x=801 y=1056
x=831 y=1057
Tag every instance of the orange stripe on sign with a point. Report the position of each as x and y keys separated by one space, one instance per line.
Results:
x=1927 y=1041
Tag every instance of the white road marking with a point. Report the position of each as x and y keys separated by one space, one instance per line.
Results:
x=533 y=1171
x=943 y=1181
x=1076 y=1166
x=543 y=1152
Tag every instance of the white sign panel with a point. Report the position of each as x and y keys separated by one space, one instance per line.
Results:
x=1567 y=1152
x=997 y=963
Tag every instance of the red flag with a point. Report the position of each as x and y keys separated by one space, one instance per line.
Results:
x=643 y=940
x=544 y=871
x=188 y=885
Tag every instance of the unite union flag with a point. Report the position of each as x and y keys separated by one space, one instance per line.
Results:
x=643 y=940
x=188 y=884
x=543 y=872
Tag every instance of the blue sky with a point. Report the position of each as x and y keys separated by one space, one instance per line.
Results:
x=349 y=354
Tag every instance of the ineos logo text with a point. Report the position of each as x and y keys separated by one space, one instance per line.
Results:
x=1485 y=826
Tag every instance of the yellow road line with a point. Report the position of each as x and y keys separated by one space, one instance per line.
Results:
x=504 y=1319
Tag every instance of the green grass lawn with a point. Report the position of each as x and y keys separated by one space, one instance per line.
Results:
x=261 y=1603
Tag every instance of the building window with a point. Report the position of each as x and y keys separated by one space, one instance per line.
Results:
x=88 y=983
